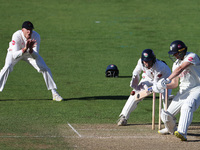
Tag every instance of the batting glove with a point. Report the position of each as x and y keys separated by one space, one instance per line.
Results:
x=161 y=85
x=164 y=82
x=156 y=89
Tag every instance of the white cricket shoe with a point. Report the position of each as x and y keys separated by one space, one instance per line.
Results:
x=57 y=97
x=163 y=131
x=122 y=121
x=166 y=131
x=180 y=136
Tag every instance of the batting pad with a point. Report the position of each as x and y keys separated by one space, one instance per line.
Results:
x=169 y=121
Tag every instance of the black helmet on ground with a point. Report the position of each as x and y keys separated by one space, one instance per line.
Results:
x=112 y=71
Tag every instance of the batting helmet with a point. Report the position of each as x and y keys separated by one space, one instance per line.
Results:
x=178 y=47
x=148 y=55
x=112 y=71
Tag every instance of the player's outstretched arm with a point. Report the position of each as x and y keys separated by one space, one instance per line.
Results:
x=179 y=70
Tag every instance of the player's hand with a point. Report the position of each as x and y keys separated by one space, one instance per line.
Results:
x=161 y=85
x=31 y=45
x=26 y=46
x=164 y=82
x=156 y=89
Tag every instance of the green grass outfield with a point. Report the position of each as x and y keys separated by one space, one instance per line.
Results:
x=79 y=38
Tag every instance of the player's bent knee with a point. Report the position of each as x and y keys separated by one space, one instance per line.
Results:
x=189 y=106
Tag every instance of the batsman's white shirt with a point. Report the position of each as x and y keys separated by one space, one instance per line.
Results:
x=15 y=54
x=190 y=77
x=187 y=99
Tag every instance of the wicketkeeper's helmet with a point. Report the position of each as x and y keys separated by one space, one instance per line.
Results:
x=112 y=71
x=148 y=55
x=177 y=47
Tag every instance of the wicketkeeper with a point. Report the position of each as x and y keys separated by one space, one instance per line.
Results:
x=186 y=69
x=25 y=46
x=153 y=71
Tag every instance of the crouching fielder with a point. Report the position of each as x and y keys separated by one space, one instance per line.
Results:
x=25 y=45
x=153 y=70
x=187 y=69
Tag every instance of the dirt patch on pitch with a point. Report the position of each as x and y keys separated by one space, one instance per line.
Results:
x=112 y=137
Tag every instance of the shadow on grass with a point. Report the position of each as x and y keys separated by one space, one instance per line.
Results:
x=125 y=77
x=136 y=124
x=99 y=98
x=24 y=99
x=121 y=97
x=81 y=98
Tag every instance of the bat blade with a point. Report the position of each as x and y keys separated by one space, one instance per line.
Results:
x=143 y=93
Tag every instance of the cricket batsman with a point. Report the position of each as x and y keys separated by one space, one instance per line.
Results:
x=186 y=69
x=25 y=46
x=153 y=71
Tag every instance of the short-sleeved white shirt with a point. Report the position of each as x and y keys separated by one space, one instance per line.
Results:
x=18 y=42
x=190 y=77
x=159 y=70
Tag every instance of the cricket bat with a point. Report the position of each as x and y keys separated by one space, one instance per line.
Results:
x=143 y=93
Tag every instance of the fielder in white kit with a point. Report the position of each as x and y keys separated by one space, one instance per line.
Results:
x=153 y=70
x=186 y=68
x=25 y=46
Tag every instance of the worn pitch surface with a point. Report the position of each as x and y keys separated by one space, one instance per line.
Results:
x=112 y=137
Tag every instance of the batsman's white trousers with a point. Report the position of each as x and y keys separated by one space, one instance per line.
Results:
x=37 y=63
x=186 y=103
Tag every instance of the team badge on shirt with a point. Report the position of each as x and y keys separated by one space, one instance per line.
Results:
x=190 y=59
x=13 y=42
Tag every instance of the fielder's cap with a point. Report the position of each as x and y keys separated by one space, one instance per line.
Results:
x=27 y=25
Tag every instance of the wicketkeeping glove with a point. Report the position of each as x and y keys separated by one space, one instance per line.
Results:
x=134 y=82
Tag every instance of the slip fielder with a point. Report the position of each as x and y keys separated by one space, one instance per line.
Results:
x=186 y=68
x=153 y=70
x=25 y=46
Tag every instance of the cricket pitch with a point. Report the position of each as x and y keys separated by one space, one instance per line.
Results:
x=113 y=137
